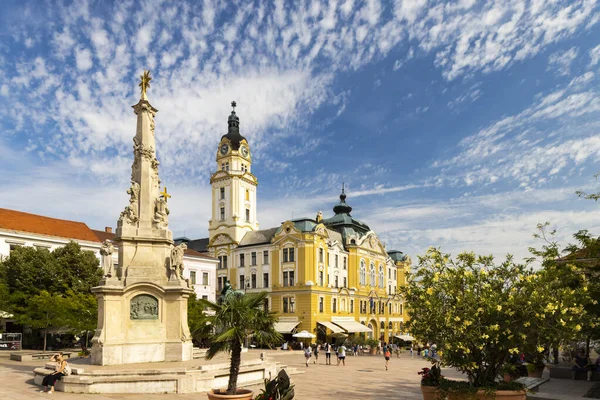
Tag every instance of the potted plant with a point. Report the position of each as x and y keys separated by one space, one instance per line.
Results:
x=233 y=318
x=430 y=382
x=372 y=343
x=479 y=314
x=279 y=388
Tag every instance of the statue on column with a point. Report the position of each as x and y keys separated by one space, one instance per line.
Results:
x=177 y=253
x=131 y=211
x=106 y=251
x=161 y=213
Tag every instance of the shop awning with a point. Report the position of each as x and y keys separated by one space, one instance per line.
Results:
x=285 y=327
x=331 y=326
x=352 y=326
x=406 y=338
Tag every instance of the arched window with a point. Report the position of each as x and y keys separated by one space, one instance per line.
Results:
x=247 y=195
x=390 y=327
x=381 y=277
x=373 y=281
x=363 y=273
x=382 y=325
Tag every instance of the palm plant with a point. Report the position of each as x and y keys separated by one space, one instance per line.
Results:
x=232 y=320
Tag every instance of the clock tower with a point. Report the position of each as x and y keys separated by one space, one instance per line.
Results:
x=233 y=188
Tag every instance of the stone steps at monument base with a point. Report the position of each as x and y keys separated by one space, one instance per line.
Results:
x=170 y=380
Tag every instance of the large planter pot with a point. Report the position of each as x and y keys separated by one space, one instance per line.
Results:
x=241 y=394
x=509 y=395
x=537 y=373
x=500 y=395
x=430 y=393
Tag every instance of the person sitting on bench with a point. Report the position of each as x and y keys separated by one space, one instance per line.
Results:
x=582 y=363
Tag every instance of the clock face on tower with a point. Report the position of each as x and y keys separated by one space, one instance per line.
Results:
x=244 y=151
x=224 y=148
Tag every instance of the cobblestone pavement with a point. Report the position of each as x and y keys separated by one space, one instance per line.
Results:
x=363 y=377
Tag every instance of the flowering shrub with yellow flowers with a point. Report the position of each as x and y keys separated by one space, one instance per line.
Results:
x=479 y=313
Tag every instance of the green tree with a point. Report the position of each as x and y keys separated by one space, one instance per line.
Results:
x=79 y=270
x=196 y=317
x=589 y=196
x=576 y=266
x=81 y=312
x=43 y=311
x=231 y=322
x=479 y=312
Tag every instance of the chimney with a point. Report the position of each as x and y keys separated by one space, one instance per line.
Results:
x=108 y=229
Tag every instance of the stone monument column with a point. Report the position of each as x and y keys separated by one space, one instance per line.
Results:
x=142 y=311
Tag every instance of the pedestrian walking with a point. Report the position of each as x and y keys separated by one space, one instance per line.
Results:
x=341 y=353
x=307 y=354
x=387 y=356
x=411 y=350
x=327 y=354
x=316 y=352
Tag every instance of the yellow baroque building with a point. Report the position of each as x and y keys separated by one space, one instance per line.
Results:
x=324 y=275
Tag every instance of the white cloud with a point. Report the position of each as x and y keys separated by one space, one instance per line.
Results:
x=594 y=55
x=83 y=58
x=560 y=61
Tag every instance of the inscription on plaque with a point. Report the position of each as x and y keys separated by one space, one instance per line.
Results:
x=144 y=306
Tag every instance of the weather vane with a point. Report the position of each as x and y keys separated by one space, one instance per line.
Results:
x=145 y=79
x=233 y=104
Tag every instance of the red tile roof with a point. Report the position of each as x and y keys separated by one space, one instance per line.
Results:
x=194 y=253
x=32 y=223
x=103 y=235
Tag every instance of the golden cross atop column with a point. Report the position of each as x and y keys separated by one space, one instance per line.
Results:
x=144 y=84
x=165 y=195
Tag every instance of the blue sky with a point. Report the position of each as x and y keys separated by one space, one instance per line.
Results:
x=457 y=124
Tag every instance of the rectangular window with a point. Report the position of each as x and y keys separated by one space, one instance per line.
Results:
x=394 y=274
x=389 y=289
x=253 y=256
x=222 y=194
x=351 y=305
x=242 y=260
x=291 y=250
x=291 y=278
x=222 y=213
x=390 y=308
x=389 y=273
x=253 y=281
x=265 y=280
x=401 y=311
x=247 y=215
x=320 y=255
x=193 y=277
x=336 y=281
x=345 y=282
x=266 y=305
x=205 y=278
x=334 y=306
x=285 y=278
x=336 y=261
x=320 y=278
x=204 y=297
x=288 y=304
x=285 y=255
x=321 y=301
x=226 y=166
x=222 y=262
x=221 y=282
x=266 y=257
x=223 y=166
x=344 y=262
x=242 y=281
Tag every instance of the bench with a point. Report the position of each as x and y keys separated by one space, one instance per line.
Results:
x=36 y=356
x=531 y=383
x=565 y=372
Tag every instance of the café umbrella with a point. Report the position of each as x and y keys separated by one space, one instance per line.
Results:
x=303 y=335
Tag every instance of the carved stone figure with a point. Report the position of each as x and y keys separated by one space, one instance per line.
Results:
x=161 y=213
x=130 y=214
x=319 y=216
x=177 y=260
x=106 y=251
